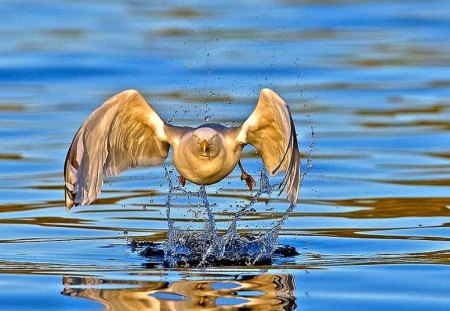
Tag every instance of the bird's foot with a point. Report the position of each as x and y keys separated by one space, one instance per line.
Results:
x=182 y=180
x=249 y=180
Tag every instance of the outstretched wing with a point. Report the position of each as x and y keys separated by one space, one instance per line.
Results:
x=271 y=131
x=123 y=132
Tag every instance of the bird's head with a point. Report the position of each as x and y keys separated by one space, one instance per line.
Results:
x=207 y=142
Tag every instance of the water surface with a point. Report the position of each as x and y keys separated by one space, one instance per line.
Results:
x=371 y=78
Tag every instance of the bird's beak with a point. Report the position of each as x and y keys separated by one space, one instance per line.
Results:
x=204 y=145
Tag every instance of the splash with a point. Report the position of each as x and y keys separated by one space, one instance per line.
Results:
x=205 y=247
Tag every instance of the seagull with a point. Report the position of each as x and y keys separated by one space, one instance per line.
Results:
x=125 y=131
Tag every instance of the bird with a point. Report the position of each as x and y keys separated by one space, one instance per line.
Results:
x=125 y=132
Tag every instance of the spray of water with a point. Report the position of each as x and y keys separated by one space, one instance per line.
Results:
x=205 y=247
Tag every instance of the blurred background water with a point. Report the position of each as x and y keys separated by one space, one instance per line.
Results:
x=371 y=77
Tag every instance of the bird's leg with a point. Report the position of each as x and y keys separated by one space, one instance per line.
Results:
x=182 y=180
x=248 y=179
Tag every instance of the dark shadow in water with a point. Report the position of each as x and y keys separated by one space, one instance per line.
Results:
x=239 y=292
x=154 y=253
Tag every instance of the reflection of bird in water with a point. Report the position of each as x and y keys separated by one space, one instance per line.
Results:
x=248 y=292
x=126 y=132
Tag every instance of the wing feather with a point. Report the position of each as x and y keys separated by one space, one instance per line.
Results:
x=123 y=132
x=270 y=129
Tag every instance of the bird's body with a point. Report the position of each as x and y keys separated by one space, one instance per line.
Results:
x=126 y=132
x=204 y=168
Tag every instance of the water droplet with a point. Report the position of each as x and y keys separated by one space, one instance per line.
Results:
x=204 y=247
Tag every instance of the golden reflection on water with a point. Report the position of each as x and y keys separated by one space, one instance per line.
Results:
x=256 y=292
x=391 y=207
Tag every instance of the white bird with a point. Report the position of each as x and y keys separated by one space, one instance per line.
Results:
x=125 y=132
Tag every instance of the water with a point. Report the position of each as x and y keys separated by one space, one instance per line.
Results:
x=185 y=248
x=371 y=225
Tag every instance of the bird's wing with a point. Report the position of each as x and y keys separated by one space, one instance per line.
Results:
x=123 y=132
x=271 y=131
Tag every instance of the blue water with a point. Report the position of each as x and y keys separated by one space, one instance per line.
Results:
x=372 y=80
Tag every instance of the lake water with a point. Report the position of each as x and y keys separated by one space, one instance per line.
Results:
x=370 y=78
